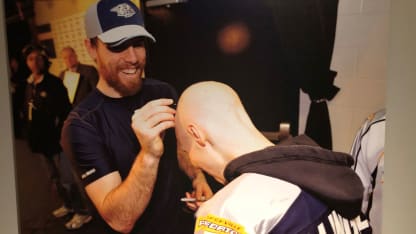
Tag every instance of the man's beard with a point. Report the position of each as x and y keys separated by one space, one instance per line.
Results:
x=125 y=89
x=124 y=86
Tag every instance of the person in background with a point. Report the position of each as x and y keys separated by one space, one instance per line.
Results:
x=75 y=204
x=293 y=187
x=18 y=76
x=46 y=107
x=120 y=136
x=368 y=153
x=86 y=75
x=46 y=103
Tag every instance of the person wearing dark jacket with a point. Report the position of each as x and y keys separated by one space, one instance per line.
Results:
x=80 y=79
x=46 y=108
x=47 y=103
x=293 y=187
x=87 y=75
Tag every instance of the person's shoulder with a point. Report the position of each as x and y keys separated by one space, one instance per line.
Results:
x=89 y=104
x=374 y=122
x=52 y=79
x=155 y=82
x=377 y=116
x=50 y=75
x=160 y=87
x=86 y=66
x=250 y=208
x=62 y=73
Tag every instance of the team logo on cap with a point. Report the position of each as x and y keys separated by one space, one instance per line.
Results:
x=124 y=10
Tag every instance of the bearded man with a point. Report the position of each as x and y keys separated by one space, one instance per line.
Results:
x=118 y=136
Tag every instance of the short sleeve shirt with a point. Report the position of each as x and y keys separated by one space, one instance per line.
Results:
x=98 y=137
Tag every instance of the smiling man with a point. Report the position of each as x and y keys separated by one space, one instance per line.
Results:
x=115 y=136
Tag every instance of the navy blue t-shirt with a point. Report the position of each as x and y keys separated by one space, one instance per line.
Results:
x=98 y=136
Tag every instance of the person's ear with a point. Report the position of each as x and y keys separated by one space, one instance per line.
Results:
x=92 y=50
x=196 y=134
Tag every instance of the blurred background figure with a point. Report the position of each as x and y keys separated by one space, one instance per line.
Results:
x=20 y=32
x=18 y=75
x=368 y=153
x=79 y=80
x=46 y=107
x=84 y=77
x=46 y=103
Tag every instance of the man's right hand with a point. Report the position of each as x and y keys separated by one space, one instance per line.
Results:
x=150 y=122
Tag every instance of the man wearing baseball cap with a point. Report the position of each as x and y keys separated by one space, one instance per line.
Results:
x=120 y=137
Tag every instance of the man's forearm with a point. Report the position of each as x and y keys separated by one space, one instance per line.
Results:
x=126 y=203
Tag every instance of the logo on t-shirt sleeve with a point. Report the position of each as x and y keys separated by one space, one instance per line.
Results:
x=88 y=173
x=211 y=224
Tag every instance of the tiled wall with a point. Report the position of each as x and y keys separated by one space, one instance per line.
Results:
x=360 y=58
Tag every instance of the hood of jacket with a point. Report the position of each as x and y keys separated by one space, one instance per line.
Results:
x=323 y=173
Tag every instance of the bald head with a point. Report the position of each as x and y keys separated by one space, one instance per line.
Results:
x=69 y=57
x=211 y=103
x=213 y=127
x=213 y=106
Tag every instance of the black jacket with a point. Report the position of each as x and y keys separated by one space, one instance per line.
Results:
x=323 y=173
x=87 y=81
x=50 y=107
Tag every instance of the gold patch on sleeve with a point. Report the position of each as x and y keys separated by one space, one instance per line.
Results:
x=212 y=224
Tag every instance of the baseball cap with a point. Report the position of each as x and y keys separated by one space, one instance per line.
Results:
x=115 y=21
